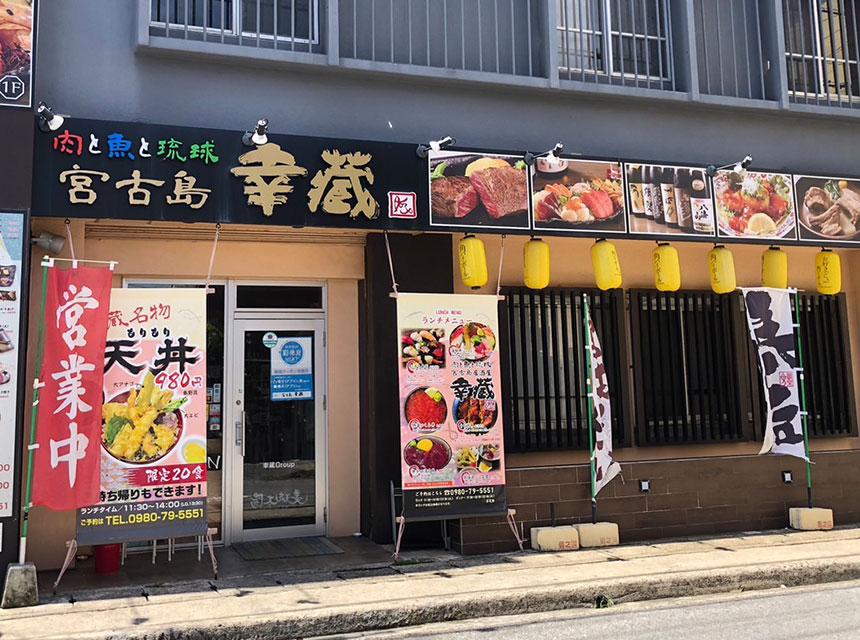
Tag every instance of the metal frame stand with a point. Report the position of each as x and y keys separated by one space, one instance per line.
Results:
x=401 y=525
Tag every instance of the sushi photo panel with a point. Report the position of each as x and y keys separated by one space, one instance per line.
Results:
x=668 y=200
x=578 y=195
x=754 y=204
x=478 y=190
x=828 y=208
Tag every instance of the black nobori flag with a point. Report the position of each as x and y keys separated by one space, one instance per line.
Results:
x=772 y=330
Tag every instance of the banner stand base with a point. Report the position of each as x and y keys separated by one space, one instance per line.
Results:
x=70 y=555
x=171 y=549
x=401 y=522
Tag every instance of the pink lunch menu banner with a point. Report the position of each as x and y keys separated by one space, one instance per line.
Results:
x=451 y=435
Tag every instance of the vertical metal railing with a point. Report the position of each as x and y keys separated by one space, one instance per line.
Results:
x=623 y=42
x=267 y=24
x=729 y=49
x=822 y=51
x=490 y=36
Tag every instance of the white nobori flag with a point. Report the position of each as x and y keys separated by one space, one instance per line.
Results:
x=605 y=467
x=772 y=330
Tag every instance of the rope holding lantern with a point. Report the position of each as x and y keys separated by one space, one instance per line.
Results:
x=667 y=267
x=722 y=268
x=607 y=268
x=536 y=263
x=828 y=272
x=473 y=261
x=774 y=268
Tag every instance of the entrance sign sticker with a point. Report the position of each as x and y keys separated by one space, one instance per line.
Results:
x=270 y=339
x=11 y=247
x=292 y=372
x=153 y=428
x=451 y=436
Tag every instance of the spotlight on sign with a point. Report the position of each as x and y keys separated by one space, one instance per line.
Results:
x=553 y=154
x=473 y=262
x=607 y=267
x=737 y=167
x=48 y=120
x=49 y=242
x=435 y=145
x=258 y=136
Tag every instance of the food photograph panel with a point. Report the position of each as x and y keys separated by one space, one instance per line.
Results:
x=578 y=195
x=754 y=204
x=478 y=190
x=668 y=199
x=828 y=208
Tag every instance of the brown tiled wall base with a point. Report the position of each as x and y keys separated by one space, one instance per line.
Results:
x=688 y=497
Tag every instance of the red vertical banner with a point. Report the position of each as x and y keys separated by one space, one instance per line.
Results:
x=67 y=466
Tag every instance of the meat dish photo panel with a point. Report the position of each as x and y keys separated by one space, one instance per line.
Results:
x=478 y=190
x=828 y=208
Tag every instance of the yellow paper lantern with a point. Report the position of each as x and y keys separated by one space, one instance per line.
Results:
x=828 y=272
x=607 y=268
x=667 y=267
x=774 y=268
x=722 y=267
x=473 y=262
x=536 y=264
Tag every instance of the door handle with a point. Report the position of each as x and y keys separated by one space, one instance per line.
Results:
x=240 y=433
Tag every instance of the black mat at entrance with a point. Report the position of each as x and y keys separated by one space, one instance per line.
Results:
x=289 y=548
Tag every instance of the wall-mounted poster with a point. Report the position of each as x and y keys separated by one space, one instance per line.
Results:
x=451 y=436
x=754 y=204
x=16 y=52
x=153 y=427
x=11 y=248
x=478 y=190
x=672 y=200
x=828 y=208
x=578 y=195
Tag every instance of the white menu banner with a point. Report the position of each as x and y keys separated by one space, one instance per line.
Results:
x=11 y=247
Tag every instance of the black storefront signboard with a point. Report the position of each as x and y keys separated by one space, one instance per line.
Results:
x=135 y=171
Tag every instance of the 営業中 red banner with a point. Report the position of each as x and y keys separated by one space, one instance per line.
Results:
x=67 y=465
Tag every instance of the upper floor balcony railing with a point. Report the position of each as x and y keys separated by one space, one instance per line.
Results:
x=790 y=54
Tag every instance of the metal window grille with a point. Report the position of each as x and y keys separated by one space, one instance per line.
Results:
x=262 y=23
x=544 y=366
x=823 y=51
x=729 y=53
x=627 y=40
x=691 y=368
x=827 y=366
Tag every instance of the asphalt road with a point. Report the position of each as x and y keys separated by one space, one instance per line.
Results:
x=830 y=611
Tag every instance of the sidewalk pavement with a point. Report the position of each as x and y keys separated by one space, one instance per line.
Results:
x=423 y=589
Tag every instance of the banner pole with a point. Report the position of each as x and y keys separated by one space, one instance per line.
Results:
x=22 y=554
x=590 y=409
x=803 y=399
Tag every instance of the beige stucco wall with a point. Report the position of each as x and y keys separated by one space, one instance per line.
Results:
x=570 y=261
x=176 y=252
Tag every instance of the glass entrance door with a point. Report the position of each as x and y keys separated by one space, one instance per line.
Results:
x=278 y=429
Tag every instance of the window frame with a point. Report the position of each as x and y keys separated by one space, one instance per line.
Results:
x=612 y=46
x=235 y=30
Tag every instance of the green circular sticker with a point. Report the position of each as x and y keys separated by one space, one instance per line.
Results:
x=270 y=339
